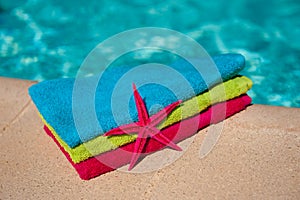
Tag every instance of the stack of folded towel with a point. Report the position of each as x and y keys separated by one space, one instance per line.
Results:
x=98 y=151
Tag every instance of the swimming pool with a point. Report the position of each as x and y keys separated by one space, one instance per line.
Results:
x=49 y=39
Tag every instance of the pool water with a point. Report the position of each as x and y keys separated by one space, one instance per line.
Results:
x=42 y=39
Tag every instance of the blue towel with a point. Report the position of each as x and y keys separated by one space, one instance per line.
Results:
x=58 y=102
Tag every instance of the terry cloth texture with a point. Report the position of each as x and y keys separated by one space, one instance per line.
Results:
x=57 y=103
x=111 y=160
x=232 y=88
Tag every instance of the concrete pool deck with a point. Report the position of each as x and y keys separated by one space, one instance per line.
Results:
x=257 y=156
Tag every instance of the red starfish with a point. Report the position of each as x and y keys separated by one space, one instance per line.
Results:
x=145 y=127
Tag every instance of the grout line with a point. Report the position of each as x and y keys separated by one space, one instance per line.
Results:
x=22 y=111
x=152 y=184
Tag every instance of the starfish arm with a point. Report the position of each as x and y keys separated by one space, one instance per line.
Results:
x=140 y=105
x=125 y=129
x=158 y=117
x=138 y=148
x=157 y=135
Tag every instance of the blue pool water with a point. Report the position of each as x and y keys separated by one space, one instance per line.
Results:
x=42 y=39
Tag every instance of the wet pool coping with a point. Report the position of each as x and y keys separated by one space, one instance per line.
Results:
x=257 y=156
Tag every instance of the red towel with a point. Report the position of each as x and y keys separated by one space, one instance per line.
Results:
x=95 y=166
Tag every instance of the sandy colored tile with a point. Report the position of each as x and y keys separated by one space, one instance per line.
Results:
x=246 y=163
x=257 y=156
x=13 y=99
x=270 y=117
